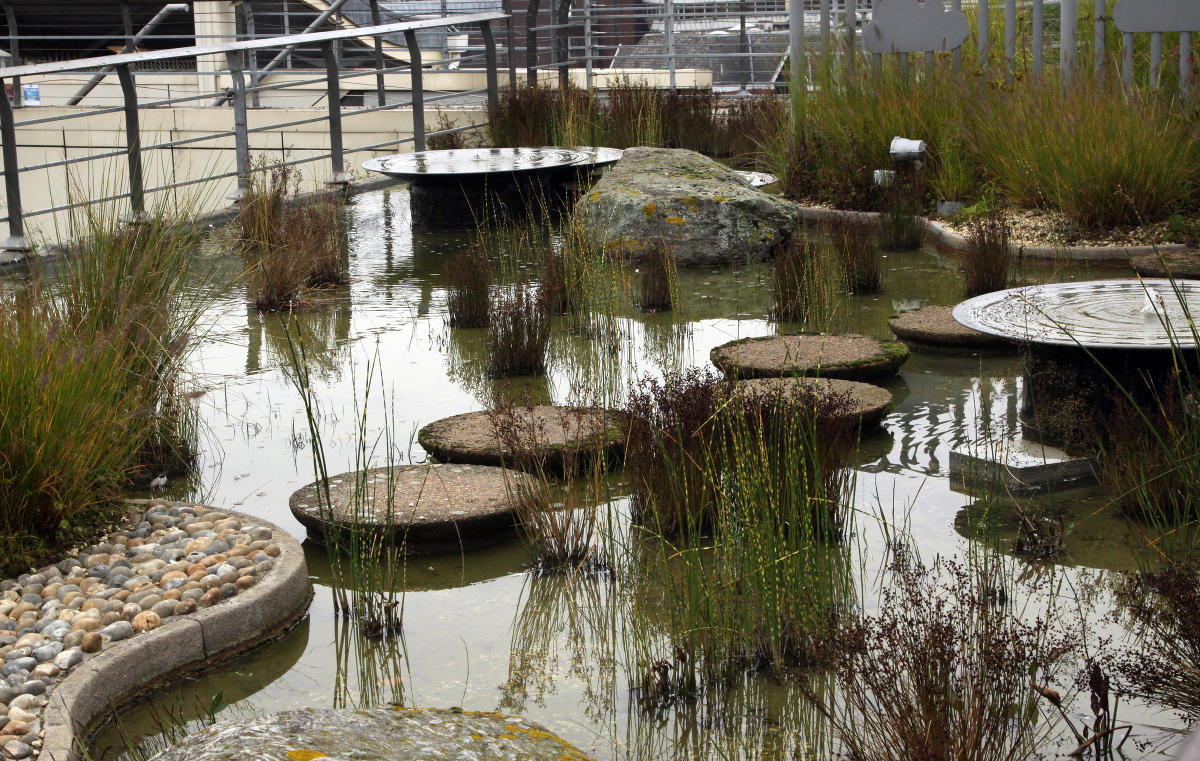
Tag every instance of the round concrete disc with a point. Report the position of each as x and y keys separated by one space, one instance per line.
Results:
x=850 y=356
x=865 y=402
x=934 y=328
x=544 y=435
x=433 y=508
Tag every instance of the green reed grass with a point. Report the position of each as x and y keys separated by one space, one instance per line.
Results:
x=468 y=280
x=366 y=557
x=518 y=331
x=658 y=279
x=807 y=283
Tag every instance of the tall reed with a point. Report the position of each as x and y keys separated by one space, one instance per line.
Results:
x=658 y=280
x=806 y=284
x=985 y=264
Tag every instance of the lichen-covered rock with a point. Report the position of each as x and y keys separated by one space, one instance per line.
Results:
x=376 y=734
x=703 y=212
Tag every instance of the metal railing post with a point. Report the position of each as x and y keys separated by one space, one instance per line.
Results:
x=133 y=142
x=796 y=41
x=247 y=9
x=380 y=85
x=1185 y=65
x=1100 y=43
x=956 y=56
x=1156 y=47
x=1127 y=59
x=489 y=53
x=14 y=52
x=587 y=43
x=1010 y=35
x=241 y=134
x=333 y=93
x=1039 y=32
x=506 y=6
x=16 y=240
x=418 y=91
x=1066 y=40
x=984 y=22
x=669 y=39
x=824 y=30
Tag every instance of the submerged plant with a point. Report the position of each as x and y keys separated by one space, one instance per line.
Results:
x=468 y=278
x=518 y=331
x=985 y=263
x=856 y=246
x=658 y=280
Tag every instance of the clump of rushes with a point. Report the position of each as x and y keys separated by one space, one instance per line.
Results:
x=856 y=247
x=754 y=583
x=288 y=245
x=70 y=430
x=558 y=508
x=657 y=279
x=899 y=226
x=806 y=283
x=518 y=331
x=135 y=283
x=945 y=670
x=672 y=427
x=1164 y=608
x=985 y=263
x=468 y=278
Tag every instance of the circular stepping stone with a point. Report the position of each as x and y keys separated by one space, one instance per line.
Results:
x=1182 y=265
x=866 y=403
x=551 y=436
x=846 y=355
x=434 y=508
x=374 y=734
x=934 y=328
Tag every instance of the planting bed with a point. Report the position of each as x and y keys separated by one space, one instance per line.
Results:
x=488 y=629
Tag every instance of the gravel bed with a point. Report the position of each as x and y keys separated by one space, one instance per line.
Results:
x=170 y=560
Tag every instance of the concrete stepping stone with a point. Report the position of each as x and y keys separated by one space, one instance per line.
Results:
x=933 y=328
x=866 y=403
x=375 y=734
x=545 y=435
x=850 y=356
x=1181 y=265
x=433 y=508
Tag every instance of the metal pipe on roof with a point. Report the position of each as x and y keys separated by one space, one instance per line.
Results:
x=130 y=46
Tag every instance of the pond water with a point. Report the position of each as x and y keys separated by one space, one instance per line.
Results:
x=480 y=630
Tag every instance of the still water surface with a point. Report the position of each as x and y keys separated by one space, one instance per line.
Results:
x=479 y=630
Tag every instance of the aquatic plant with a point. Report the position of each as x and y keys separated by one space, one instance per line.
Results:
x=1163 y=606
x=806 y=283
x=289 y=244
x=658 y=280
x=985 y=263
x=855 y=244
x=468 y=279
x=946 y=669
x=518 y=331
x=71 y=427
x=899 y=223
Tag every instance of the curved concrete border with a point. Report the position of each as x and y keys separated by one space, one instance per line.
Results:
x=945 y=238
x=125 y=670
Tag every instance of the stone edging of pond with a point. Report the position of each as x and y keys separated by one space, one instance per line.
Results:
x=947 y=239
x=127 y=669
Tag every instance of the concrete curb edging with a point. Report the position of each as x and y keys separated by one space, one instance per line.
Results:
x=124 y=670
x=946 y=238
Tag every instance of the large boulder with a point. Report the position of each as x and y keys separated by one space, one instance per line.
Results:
x=704 y=212
x=374 y=734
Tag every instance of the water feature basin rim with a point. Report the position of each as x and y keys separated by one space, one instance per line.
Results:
x=476 y=162
x=1152 y=314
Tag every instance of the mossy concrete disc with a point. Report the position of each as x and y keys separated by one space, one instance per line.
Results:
x=850 y=356
x=434 y=508
x=543 y=435
x=1184 y=265
x=865 y=402
x=934 y=327
x=373 y=734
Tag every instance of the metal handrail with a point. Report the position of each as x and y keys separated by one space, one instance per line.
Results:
x=123 y=64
